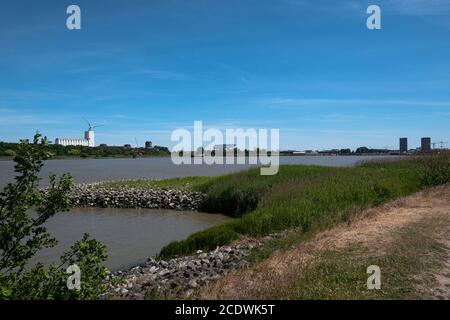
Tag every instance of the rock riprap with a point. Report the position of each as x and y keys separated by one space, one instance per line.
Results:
x=91 y=195
x=179 y=277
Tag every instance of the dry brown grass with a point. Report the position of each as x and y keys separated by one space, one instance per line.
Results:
x=275 y=275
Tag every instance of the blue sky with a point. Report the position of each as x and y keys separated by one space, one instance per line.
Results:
x=310 y=68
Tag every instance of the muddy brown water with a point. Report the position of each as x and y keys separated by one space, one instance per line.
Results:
x=131 y=235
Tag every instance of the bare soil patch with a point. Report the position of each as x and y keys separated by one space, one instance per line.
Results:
x=375 y=229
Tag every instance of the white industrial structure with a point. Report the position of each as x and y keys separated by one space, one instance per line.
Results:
x=88 y=141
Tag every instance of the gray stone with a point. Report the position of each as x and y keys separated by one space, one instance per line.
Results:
x=178 y=277
x=193 y=283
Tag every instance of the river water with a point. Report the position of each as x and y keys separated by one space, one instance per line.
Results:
x=132 y=235
x=94 y=170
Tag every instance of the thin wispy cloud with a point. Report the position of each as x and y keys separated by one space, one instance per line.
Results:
x=347 y=132
x=85 y=70
x=441 y=114
x=295 y=102
x=398 y=7
x=109 y=75
x=12 y=117
x=342 y=117
x=6 y=94
x=419 y=7
x=161 y=74
x=350 y=6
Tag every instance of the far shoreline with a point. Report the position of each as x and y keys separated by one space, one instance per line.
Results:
x=3 y=158
x=91 y=158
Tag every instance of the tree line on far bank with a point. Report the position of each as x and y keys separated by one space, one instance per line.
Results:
x=10 y=150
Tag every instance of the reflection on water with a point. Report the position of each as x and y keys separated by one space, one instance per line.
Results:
x=131 y=235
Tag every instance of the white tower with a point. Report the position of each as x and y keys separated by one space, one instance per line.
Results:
x=89 y=134
x=90 y=137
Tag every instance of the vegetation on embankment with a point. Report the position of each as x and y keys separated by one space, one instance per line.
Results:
x=188 y=183
x=407 y=265
x=406 y=238
x=310 y=198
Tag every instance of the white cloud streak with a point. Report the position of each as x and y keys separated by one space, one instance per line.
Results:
x=397 y=7
x=161 y=74
x=419 y=7
x=294 y=102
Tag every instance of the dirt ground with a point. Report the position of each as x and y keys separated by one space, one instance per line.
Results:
x=374 y=229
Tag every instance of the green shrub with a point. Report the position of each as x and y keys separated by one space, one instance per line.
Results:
x=73 y=152
x=23 y=234
x=205 y=240
x=231 y=199
x=9 y=153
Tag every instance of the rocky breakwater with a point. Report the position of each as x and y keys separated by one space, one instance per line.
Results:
x=179 y=277
x=91 y=195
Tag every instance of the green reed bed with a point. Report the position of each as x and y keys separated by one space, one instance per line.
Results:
x=310 y=198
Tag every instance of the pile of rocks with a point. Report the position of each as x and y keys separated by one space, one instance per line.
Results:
x=179 y=277
x=90 y=195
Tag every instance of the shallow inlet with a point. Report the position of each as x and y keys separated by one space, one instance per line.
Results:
x=131 y=235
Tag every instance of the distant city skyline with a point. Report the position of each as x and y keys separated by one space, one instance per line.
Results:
x=145 y=68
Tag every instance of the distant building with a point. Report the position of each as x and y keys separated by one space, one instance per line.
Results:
x=224 y=147
x=127 y=145
x=148 y=145
x=403 y=145
x=88 y=141
x=72 y=142
x=103 y=145
x=425 y=145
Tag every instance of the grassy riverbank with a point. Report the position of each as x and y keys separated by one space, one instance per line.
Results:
x=310 y=198
x=407 y=238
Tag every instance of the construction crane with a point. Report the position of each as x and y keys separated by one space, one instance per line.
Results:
x=442 y=143
x=136 y=152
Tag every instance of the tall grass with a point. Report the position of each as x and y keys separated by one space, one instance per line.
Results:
x=242 y=192
x=435 y=171
x=307 y=197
